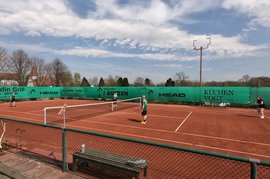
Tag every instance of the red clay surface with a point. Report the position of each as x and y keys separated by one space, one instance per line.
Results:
x=230 y=131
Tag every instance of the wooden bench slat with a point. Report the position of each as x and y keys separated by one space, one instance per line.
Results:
x=107 y=158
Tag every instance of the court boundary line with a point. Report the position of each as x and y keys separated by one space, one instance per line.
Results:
x=173 y=117
x=226 y=139
x=21 y=118
x=158 y=130
x=173 y=141
x=123 y=133
x=183 y=133
x=183 y=121
x=28 y=112
x=25 y=102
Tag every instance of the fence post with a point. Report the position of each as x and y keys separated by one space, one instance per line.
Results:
x=253 y=174
x=64 y=150
x=253 y=168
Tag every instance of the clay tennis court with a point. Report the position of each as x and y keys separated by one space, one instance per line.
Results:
x=234 y=131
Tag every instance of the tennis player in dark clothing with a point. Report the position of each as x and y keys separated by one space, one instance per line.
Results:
x=12 y=100
x=261 y=107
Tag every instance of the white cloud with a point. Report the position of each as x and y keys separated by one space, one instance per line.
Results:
x=103 y=54
x=257 y=10
x=231 y=46
x=37 y=48
x=139 y=25
x=168 y=65
x=154 y=12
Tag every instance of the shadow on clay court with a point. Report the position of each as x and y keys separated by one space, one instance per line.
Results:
x=135 y=120
x=250 y=116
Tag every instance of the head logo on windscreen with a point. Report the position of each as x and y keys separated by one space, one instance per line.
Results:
x=32 y=91
x=99 y=92
x=150 y=92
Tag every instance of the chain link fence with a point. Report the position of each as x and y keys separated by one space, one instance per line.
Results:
x=61 y=145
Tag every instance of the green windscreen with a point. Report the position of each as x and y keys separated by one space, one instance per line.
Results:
x=264 y=92
x=233 y=95
x=23 y=92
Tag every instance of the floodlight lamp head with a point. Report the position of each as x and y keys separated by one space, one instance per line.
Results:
x=209 y=41
x=194 y=44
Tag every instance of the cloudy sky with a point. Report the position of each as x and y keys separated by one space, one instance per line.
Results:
x=143 y=38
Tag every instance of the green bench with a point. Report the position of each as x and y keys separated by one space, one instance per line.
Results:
x=124 y=164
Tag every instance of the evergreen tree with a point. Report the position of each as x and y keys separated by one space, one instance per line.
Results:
x=85 y=82
x=119 y=81
x=170 y=82
x=125 y=82
x=101 y=82
x=147 y=82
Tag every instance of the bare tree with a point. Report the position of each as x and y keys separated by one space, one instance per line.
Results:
x=94 y=81
x=245 y=78
x=59 y=73
x=4 y=60
x=21 y=65
x=39 y=71
x=139 y=81
x=77 y=79
x=110 y=81
x=180 y=77
x=116 y=77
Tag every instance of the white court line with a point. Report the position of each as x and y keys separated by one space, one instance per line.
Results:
x=28 y=112
x=226 y=139
x=173 y=117
x=171 y=132
x=156 y=130
x=21 y=118
x=173 y=141
x=128 y=134
x=183 y=121
x=266 y=116
x=25 y=102
x=128 y=126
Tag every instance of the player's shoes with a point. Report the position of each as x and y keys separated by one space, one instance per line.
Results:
x=262 y=117
x=143 y=122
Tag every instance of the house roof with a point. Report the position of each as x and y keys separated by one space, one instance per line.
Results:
x=8 y=76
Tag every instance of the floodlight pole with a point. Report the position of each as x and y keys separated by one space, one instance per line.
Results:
x=201 y=48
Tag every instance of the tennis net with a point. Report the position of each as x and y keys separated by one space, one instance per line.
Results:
x=67 y=113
